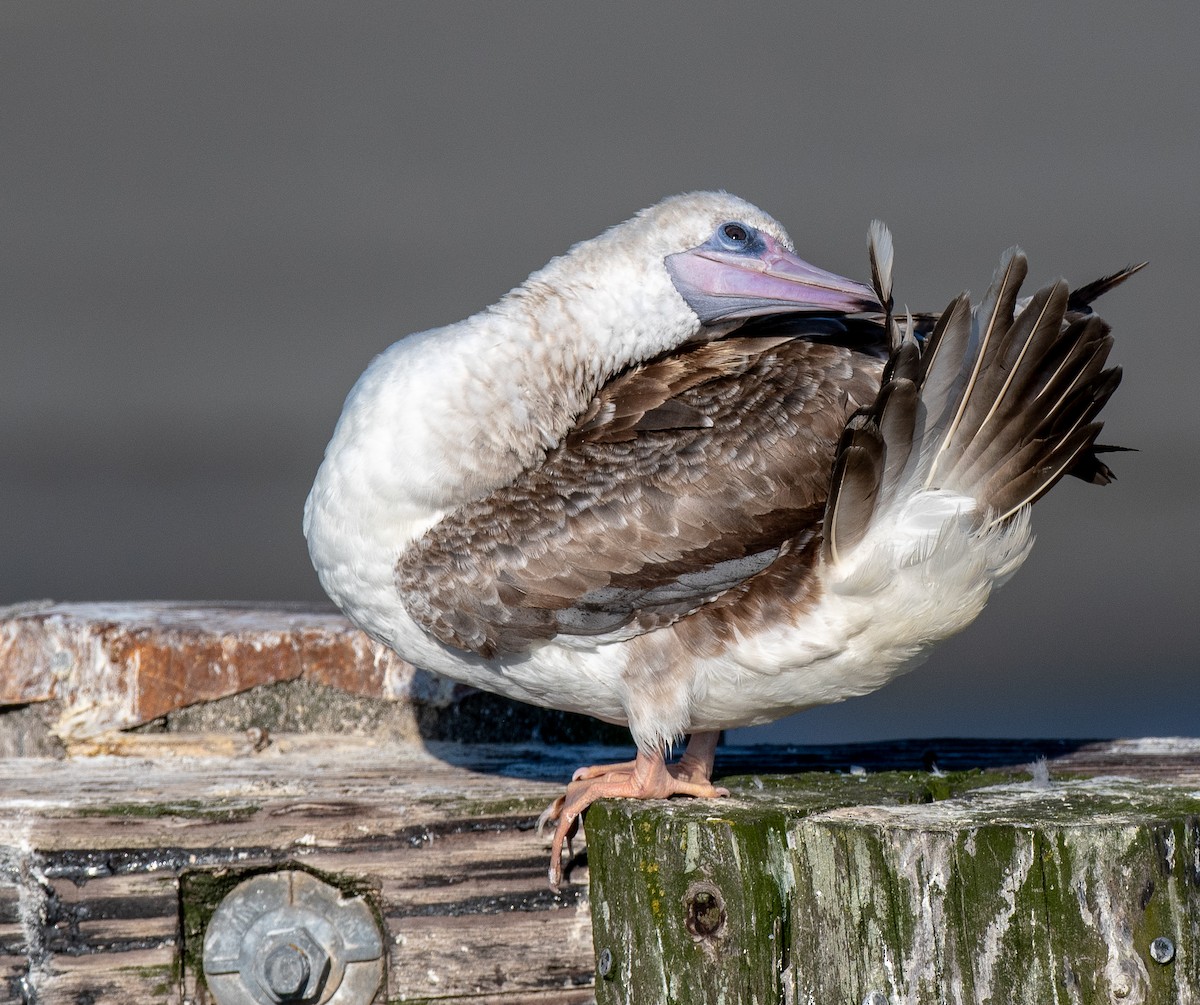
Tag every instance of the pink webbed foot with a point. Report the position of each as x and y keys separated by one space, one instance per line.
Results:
x=646 y=777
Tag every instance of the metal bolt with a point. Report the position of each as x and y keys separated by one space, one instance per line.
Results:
x=1162 y=950
x=604 y=962
x=875 y=997
x=289 y=937
x=286 y=971
x=293 y=965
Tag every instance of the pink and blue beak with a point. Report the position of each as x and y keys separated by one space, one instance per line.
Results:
x=740 y=272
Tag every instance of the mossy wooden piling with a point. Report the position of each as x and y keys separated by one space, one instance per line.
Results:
x=885 y=888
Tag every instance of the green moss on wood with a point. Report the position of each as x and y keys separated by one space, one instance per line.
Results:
x=216 y=811
x=840 y=789
x=163 y=978
x=967 y=887
x=476 y=809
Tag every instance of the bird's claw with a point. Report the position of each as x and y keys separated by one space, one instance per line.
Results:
x=551 y=812
x=566 y=829
x=646 y=778
x=598 y=770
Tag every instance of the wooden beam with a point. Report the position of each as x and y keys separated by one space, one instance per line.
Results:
x=116 y=665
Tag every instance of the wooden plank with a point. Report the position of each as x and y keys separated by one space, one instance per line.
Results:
x=97 y=854
x=906 y=887
x=139 y=976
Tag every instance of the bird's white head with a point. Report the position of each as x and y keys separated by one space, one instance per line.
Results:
x=691 y=262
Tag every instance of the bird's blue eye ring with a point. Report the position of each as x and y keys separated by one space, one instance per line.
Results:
x=734 y=235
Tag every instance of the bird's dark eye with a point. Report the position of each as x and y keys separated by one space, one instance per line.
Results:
x=734 y=235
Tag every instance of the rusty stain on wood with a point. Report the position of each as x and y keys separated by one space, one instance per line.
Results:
x=113 y=666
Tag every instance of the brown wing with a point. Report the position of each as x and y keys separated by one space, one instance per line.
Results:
x=687 y=477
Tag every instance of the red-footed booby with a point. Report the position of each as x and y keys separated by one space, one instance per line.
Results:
x=683 y=480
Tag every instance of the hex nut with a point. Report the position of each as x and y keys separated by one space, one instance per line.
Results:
x=286 y=971
x=292 y=965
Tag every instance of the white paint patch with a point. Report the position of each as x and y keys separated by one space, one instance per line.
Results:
x=1092 y=877
x=926 y=861
x=19 y=862
x=691 y=851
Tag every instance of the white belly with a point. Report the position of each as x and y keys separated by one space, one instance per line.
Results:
x=919 y=576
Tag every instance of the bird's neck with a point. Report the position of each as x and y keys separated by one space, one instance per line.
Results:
x=446 y=416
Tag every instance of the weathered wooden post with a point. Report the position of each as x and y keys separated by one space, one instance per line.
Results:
x=901 y=888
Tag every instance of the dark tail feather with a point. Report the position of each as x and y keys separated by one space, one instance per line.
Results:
x=998 y=405
x=1081 y=299
x=857 y=477
x=858 y=468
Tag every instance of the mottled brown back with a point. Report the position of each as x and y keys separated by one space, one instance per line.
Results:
x=688 y=477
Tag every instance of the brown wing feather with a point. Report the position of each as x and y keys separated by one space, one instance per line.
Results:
x=688 y=477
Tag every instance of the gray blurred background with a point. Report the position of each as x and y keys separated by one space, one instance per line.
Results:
x=212 y=215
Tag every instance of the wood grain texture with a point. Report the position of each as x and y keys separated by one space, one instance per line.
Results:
x=96 y=855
